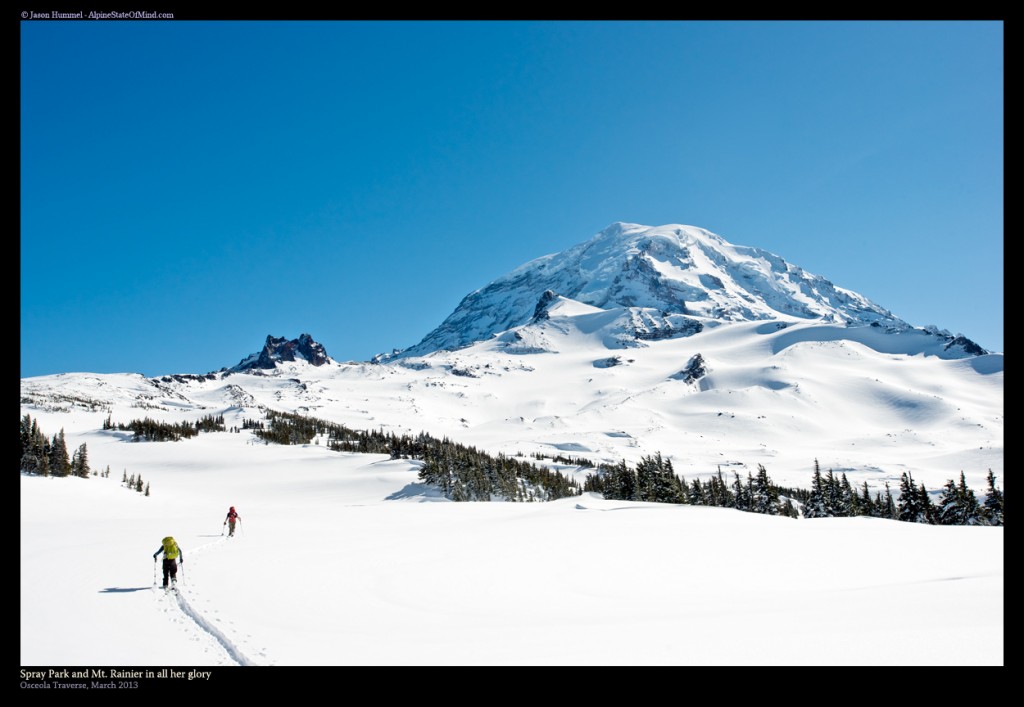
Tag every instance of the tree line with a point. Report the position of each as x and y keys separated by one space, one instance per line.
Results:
x=957 y=505
x=655 y=480
x=462 y=473
x=151 y=430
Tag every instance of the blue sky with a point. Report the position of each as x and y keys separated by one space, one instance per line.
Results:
x=188 y=188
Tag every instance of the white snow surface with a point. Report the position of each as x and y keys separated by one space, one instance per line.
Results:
x=346 y=559
x=343 y=559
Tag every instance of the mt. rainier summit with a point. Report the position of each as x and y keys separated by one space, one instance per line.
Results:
x=665 y=282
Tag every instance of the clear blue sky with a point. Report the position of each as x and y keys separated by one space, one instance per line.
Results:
x=189 y=187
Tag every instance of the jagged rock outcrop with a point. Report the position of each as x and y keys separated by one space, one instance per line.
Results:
x=279 y=349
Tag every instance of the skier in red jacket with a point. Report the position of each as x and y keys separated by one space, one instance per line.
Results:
x=230 y=520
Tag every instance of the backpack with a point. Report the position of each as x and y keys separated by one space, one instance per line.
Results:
x=170 y=548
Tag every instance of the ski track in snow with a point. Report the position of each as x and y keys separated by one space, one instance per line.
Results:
x=229 y=647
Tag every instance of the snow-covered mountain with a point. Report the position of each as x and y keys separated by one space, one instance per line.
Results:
x=664 y=281
x=641 y=340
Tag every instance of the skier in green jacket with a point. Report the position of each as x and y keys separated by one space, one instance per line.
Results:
x=172 y=555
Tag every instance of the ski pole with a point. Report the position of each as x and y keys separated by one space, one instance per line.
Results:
x=154 y=571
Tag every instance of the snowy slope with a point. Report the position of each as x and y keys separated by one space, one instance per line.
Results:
x=345 y=560
x=861 y=400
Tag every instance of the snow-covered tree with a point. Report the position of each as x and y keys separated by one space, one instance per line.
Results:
x=847 y=498
x=993 y=506
x=948 y=511
x=910 y=508
x=972 y=514
x=887 y=506
x=815 y=506
x=765 y=499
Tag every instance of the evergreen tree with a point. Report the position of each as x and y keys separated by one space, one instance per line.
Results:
x=863 y=500
x=949 y=509
x=80 y=463
x=887 y=506
x=676 y=483
x=814 y=507
x=741 y=494
x=909 y=508
x=646 y=472
x=847 y=498
x=726 y=497
x=993 y=507
x=764 y=497
x=972 y=514
x=833 y=502
x=25 y=433
x=664 y=491
x=60 y=463
x=138 y=484
x=147 y=488
x=696 y=494
x=35 y=448
x=928 y=511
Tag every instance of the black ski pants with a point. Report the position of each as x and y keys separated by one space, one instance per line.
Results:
x=170 y=568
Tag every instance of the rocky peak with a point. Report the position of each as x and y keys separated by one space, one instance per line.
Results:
x=280 y=349
x=540 y=312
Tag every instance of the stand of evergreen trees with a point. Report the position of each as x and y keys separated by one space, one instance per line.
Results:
x=654 y=480
x=570 y=461
x=155 y=431
x=49 y=457
x=134 y=483
x=831 y=497
x=461 y=473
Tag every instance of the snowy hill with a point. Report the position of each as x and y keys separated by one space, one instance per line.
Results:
x=861 y=401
